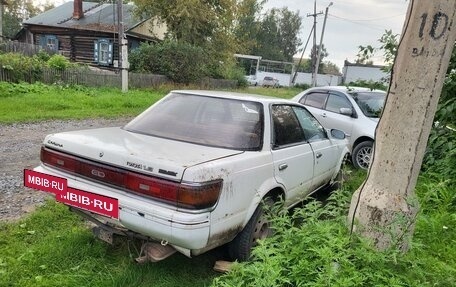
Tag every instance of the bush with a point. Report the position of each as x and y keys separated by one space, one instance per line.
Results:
x=312 y=246
x=369 y=84
x=440 y=156
x=302 y=86
x=58 y=62
x=181 y=62
x=22 y=68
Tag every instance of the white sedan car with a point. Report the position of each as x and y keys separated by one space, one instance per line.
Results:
x=353 y=110
x=190 y=172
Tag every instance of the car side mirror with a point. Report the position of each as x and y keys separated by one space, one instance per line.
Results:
x=346 y=111
x=337 y=134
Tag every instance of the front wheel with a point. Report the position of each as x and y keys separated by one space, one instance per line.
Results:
x=257 y=228
x=362 y=155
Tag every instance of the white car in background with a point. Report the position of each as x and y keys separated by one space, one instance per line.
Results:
x=270 y=82
x=354 y=110
x=190 y=173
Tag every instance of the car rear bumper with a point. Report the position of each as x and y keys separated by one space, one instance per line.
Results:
x=142 y=215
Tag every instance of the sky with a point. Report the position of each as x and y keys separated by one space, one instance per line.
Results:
x=350 y=23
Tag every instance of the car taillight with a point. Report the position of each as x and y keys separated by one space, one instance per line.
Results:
x=151 y=186
x=185 y=195
x=59 y=160
x=199 y=195
x=191 y=196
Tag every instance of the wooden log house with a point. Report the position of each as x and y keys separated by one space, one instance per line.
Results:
x=87 y=32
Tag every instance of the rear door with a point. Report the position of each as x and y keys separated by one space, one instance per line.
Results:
x=325 y=107
x=292 y=154
x=315 y=101
x=333 y=119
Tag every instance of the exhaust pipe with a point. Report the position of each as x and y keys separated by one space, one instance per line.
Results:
x=154 y=252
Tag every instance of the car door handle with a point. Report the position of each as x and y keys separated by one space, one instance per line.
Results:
x=283 y=166
x=318 y=155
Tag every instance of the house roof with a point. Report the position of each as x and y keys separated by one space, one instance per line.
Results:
x=97 y=17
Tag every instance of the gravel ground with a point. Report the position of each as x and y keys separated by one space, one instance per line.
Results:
x=20 y=148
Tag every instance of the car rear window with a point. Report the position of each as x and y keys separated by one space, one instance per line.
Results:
x=316 y=100
x=205 y=120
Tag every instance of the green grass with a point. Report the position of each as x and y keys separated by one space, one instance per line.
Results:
x=54 y=247
x=37 y=102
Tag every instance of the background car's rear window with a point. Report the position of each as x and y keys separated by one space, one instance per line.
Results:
x=211 y=121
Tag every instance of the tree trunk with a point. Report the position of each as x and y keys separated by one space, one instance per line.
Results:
x=384 y=208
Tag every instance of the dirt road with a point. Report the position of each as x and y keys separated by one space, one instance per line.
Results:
x=20 y=148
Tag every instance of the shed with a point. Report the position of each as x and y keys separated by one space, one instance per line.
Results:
x=353 y=72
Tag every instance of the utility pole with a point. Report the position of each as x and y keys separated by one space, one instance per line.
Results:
x=321 y=45
x=123 y=48
x=384 y=208
x=314 y=60
x=2 y=2
x=295 y=74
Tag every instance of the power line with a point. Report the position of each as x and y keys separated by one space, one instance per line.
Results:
x=368 y=20
x=314 y=59
x=370 y=26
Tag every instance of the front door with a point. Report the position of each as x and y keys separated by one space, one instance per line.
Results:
x=325 y=153
x=292 y=154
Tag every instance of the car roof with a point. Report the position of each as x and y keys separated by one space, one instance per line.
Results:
x=234 y=95
x=345 y=89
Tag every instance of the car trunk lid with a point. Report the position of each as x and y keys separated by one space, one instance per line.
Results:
x=131 y=151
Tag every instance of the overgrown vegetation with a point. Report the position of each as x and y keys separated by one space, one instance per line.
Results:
x=313 y=247
x=25 y=68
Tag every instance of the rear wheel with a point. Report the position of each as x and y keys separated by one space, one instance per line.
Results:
x=362 y=155
x=257 y=228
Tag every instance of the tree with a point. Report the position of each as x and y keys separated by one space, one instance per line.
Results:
x=328 y=67
x=314 y=53
x=277 y=38
x=16 y=11
x=206 y=24
x=195 y=22
x=247 y=24
x=388 y=45
x=384 y=208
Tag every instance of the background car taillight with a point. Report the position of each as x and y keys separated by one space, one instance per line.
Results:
x=185 y=195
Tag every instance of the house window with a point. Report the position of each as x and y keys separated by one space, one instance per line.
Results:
x=49 y=42
x=103 y=52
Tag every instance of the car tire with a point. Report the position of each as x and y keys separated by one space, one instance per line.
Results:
x=258 y=227
x=362 y=155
